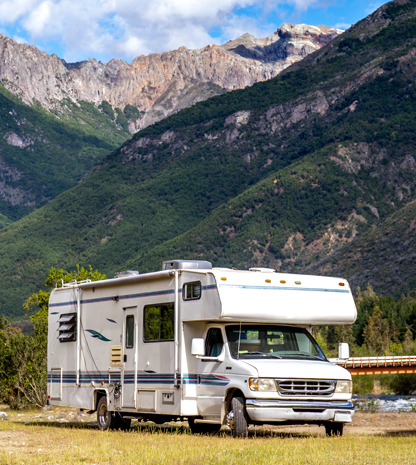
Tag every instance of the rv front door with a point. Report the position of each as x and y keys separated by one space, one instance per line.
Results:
x=129 y=375
x=211 y=380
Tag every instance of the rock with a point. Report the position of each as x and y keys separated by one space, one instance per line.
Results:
x=157 y=84
x=3 y=416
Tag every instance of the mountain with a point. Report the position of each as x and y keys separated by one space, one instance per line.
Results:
x=42 y=155
x=156 y=85
x=384 y=256
x=283 y=173
x=59 y=118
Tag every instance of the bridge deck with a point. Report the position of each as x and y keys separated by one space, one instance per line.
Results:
x=378 y=365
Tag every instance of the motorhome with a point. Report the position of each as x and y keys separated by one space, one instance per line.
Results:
x=215 y=346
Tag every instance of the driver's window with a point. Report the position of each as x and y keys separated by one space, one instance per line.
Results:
x=213 y=342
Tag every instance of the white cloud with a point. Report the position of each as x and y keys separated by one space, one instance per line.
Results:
x=20 y=40
x=343 y=26
x=239 y=25
x=127 y=28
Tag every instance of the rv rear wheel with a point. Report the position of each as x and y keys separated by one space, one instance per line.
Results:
x=105 y=419
x=202 y=427
x=240 y=423
x=334 y=429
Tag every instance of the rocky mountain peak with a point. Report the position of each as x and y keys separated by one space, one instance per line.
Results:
x=158 y=84
x=300 y=32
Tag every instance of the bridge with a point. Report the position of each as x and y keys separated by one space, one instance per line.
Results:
x=378 y=365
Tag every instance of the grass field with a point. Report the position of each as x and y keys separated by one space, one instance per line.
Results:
x=54 y=442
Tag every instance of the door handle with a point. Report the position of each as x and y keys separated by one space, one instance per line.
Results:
x=125 y=358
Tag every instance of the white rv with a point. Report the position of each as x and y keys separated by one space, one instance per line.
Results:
x=213 y=345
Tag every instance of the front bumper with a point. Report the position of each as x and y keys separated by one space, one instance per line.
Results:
x=274 y=411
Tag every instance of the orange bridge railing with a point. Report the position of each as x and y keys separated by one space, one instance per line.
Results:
x=378 y=365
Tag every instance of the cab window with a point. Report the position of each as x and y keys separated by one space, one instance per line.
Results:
x=213 y=342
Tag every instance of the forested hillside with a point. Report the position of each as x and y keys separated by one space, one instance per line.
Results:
x=45 y=153
x=385 y=256
x=282 y=174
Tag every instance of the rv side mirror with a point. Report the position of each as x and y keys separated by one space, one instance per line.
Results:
x=198 y=346
x=343 y=351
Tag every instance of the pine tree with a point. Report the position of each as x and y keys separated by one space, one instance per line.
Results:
x=377 y=333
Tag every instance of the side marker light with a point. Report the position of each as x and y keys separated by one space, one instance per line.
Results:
x=268 y=281
x=298 y=282
x=223 y=279
x=342 y=284
x=283 y=281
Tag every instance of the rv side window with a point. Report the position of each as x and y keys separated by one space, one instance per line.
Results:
x=67 y=327
x=213 y=342
x=191 y=291
x=158 y=323
x=130 y=331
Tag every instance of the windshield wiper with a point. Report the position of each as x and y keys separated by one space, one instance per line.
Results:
x=306 y=355
x=263 y=354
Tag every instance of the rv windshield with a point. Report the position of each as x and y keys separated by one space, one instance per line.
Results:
x=267 y=341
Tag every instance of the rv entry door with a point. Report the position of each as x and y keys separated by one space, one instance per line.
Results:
x=129 y=374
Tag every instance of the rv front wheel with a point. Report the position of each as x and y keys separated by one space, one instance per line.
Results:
x=105 y=418
x=240 y=423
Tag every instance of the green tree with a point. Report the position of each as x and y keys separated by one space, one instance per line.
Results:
x=377 y=333
x=23 y=358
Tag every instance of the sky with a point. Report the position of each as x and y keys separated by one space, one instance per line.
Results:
x=103 y=29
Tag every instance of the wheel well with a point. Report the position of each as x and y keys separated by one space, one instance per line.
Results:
x=233 y=392
x=97 y=397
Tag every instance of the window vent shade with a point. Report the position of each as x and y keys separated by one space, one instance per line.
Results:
x=67 y=327
x=67 y=318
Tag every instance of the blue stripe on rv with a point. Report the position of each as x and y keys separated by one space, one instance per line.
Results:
x=70 y=377
x=127 y=296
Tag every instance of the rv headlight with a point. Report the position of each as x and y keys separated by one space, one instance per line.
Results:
x=344 y=387
x=262 y=384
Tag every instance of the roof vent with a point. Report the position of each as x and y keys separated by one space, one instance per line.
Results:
x=125 y=274
x=263 y=270
x=186 y=265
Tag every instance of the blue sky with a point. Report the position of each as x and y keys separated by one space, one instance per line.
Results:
x=103 y=29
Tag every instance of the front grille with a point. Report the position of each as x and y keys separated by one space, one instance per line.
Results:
x=305 y=387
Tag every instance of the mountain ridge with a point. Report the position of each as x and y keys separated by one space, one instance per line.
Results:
x=237 y=64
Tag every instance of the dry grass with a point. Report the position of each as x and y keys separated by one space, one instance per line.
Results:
x=73 y=443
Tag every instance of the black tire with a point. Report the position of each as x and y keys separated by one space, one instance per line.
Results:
x=240 y=423
x=203 y=428
x=106 y=420
x=334 y=429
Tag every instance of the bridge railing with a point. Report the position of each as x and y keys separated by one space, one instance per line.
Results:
x=378 y=365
